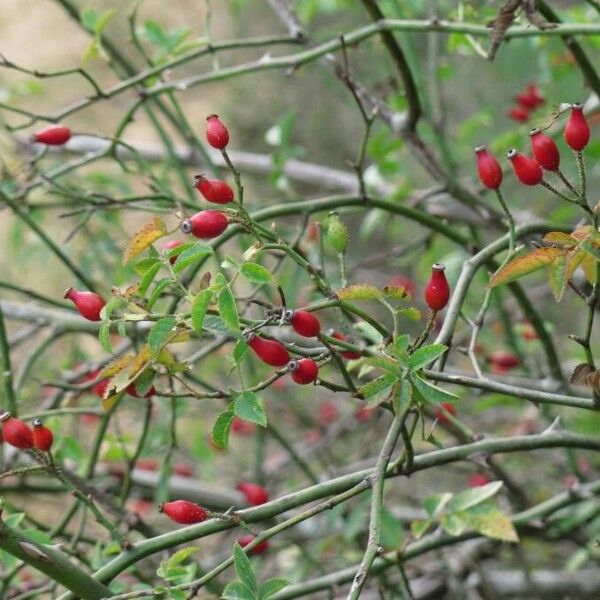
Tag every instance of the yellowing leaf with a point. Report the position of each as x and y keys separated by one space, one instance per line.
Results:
x=108 y=403
x=492 y=522
x=523 y=265
x=143 y=238
x=140 y=361
x=588 y=264
x=361 y=291
x=574 y=259
x=114 y=366
x=560 y=238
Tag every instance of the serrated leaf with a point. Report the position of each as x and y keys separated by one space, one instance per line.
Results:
x=397 y=292
x=491 y=522
x=191 y=255
x=160 y=332
x=141 y=266
x=431 y=393
x=176 y=559
x=249 y=406
x=271 y=587
x=386 y=364
x=423 y=356
x=114 y=366
x=104 y=338
x=419 y=528
x=414 y=314
x=557 y=276
x=143 y=238
x=402 y=396
x=592 y=248
x=560 y=238
x=228 y=309
x=200 y=305
x=237 y=591
x=360 y=291
x=220 y=431
x=454 y=524
x=256 y=273
x=243 y=568
x=524 y=265
x=588 y=264
x=436 y=503
x=148 y=278
x=139 y=361
x=375 y=387
x=471 y=497
x=158 y=290
x=240 y=351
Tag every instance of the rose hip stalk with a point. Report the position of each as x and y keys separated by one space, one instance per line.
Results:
x=16 y=432
x=88 y=304
x=437 y=291
x=206 y=224
x=214 y=190
x=216 y=133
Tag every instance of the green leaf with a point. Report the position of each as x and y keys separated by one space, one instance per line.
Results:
x=377 y=386
x=141 y=266
x=430 y=393
x=200 y=305
x=454 y=523
x=243 y=568
x=220 y=431
x=386 y=364
x=271 y=587
x=423 y=356
x=472 y=497
x=104 y=338
x=419 y=528
x=399 y=347
x=557 y=276
x=228 y=309
x=523 y=265
x=256 y=273
x=402 y=397
x=103 y=20
x=158 y=290
x=160 y=332
x=190 y=256
x=249 y=406
x=148 y=278
x=166 y=567
x=490 y=521
x=436 y=503
x=392 y=533
x=237 y=591
x=240 y=351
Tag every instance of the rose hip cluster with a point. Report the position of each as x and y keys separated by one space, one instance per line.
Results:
x=527 y=101
x=546 y=156
x=18 y=434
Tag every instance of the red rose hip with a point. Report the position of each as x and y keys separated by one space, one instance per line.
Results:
x=255 y=494
x=183 y=512
x=437 y=291
x=205 y=224
x=527 y=170
x=214 y=190
x=42 y=436
x=54 y=135
x=88 y=304
x=270 y=352
x=519 y=114
x=15 y=432
x=544 y=150
x=216 y=133
x=304 y=371
x=488 y=168
x=304 y=323
x=577 y=130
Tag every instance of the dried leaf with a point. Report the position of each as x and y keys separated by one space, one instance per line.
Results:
x=523 y=265
x=143 y=238
x=580 y=373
